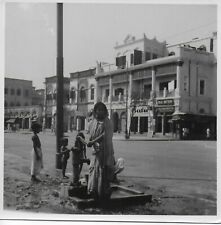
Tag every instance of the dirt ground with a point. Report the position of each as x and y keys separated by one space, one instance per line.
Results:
x=169 y=197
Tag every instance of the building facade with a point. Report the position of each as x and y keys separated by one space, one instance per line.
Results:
x=79 y=95
x=23 y=104
x=49 y=109
x=154 y=91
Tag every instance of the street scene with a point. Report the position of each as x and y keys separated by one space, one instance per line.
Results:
x=107 y=113
x=190 y=189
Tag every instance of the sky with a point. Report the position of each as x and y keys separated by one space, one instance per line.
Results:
x=91 y=31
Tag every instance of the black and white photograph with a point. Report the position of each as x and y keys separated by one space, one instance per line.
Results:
x=110 y=109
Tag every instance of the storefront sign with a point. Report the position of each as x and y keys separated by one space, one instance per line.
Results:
x=142 y=109
x=165 y=109
x=165 y=102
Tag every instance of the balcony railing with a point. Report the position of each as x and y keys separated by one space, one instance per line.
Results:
x=165 y=93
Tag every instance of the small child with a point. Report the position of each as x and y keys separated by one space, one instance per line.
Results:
x=78 y=156
x=65 y=152
x=37 y=158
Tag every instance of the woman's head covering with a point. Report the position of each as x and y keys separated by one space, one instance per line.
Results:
x=102 y=106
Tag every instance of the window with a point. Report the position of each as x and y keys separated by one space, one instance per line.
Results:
x=137 y=57
x=154 y=56
x=92 y=92
x=73 y=95
x=202 y=87
x=82 y=94
x=26 y=93
x=185 y=87
x=12 y=91
x=147 y=56
x=12 y=104
x=118 y=91
x=18 y=104
x=18 y=92
x=131 y=59
x=6 y=104
x=106 y=93
x=6 y=91
x=163 y=85
x=26 y=104
x=121 y=62
x=147 y=90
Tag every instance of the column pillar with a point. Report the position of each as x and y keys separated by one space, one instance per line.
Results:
x=163 y=124
x=178 y=77
x=96 y=91
x=138 y=124
x=153 y=80
x=110 y=95
x=130 y=88
x=29 y=123
x=153 y=95
x=69 y=123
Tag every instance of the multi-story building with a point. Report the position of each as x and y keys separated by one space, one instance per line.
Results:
x=22 y=104
x=154 y=89
x=82 y=96
x=49 y=112
x=79 y=94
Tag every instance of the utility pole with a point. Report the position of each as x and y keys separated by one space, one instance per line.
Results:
x=60 y=86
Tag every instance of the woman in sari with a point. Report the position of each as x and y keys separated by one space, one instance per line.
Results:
x=101 y=169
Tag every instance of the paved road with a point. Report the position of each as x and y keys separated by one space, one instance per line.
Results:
x=183 y=167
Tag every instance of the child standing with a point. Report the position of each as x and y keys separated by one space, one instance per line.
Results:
x=37 y=158
x=78 y=157
x=65 y=152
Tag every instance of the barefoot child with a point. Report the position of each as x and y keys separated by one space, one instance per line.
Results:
x=78 y=157
x=65 y=152
x=37 y=159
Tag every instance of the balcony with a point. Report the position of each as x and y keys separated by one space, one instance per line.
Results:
x=165 y=94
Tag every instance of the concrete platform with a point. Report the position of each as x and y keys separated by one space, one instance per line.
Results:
x=121 y=196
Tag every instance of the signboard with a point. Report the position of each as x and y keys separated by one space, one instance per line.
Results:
x=165 y=102
x=165 y=109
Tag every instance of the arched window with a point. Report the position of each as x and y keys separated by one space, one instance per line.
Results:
x=92 y=92
x=82 y=94
x=73 y=94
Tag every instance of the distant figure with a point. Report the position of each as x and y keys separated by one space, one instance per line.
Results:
x=208 y=134
x=65 y=152
x=37 y=158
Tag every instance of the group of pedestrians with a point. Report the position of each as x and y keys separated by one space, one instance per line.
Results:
x=102 y=165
